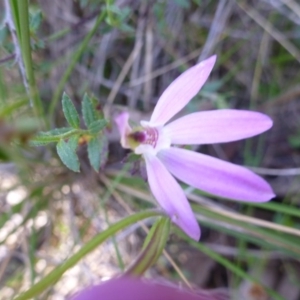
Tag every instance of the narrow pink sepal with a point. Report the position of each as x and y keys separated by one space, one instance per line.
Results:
x=181 y=91
x=215 y=176
x=171 y=197
x=123 y=126
x=217 y=126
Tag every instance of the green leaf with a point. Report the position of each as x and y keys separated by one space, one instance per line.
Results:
x=35 y=19
x=97 y=152
x=277 y=207
x=104 y=150
x=94 y=149
x=67 y=154
x=70 y=111
x=88 y=247
x=96 y=126
x=88 y=111
x=152 y=248
x=73 y=142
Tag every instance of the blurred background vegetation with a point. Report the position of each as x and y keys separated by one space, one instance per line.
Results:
x=124 y=53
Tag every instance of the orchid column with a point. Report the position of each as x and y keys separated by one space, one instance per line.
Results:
x=155 y=140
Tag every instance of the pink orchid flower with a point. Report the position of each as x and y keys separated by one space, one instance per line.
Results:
x=153 y=141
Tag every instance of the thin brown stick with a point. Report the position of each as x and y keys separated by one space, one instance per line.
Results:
x=122 y=75
x=278 y=36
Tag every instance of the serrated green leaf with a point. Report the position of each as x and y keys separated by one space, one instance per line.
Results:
x=68 y=156
x=98 y=152
x=88 y=111
x=73 y=142
x=104 y=150
x=97 y=126
x=94 y=153
x=70 y=111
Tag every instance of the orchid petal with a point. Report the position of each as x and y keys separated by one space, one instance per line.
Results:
x=124 y=288
x=171 y=197
x=217 y=126
x=215 y=176
x=124 y=128
x=181 y=91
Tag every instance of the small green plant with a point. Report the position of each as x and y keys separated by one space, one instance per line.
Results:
x=67 y=139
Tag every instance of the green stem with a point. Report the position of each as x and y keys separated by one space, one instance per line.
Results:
x=26 y=53
x=46 y=139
